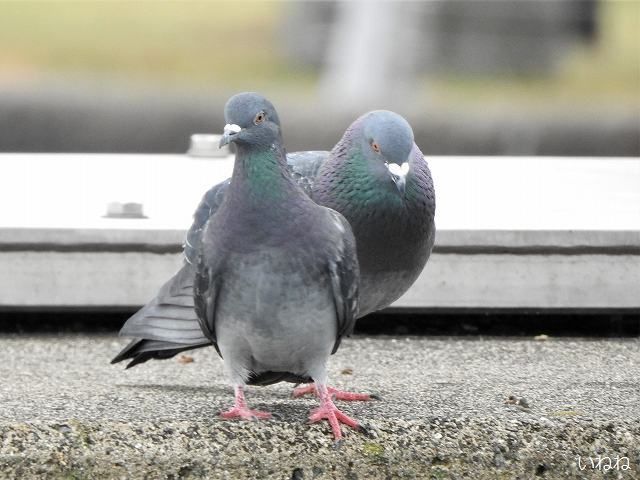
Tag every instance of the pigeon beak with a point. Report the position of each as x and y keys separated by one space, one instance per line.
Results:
x=399 y=175
x=230 y=131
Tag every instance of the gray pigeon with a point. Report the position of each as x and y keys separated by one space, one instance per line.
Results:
x=376 y=177
x=276 y=275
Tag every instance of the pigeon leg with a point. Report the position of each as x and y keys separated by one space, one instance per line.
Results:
x=334 y=393
x=328 y=411
x=240 y=409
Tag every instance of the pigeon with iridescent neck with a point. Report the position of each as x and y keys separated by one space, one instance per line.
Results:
x=377 y=177
x=276 y=275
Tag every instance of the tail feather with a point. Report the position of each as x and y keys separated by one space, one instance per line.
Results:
x=141 y=350
x=167 y=325
x=269 y=378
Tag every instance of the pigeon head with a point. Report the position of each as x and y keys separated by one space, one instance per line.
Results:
x=250 y=119
x=387 y=142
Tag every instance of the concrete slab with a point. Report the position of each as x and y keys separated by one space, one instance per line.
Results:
x=38 y=279
x=67 y=413
x=513 y=232
x=474 y=193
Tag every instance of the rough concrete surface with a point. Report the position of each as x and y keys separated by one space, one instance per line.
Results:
x=444 y=412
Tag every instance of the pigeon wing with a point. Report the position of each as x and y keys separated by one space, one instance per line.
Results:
x=304 y=167
x=205 y=295
x=345 y=278
x=208 y=206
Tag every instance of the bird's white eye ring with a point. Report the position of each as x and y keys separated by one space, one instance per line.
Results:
x=259 y=118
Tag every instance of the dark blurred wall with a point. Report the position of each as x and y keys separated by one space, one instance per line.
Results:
x=77 y=120
x=461 y=36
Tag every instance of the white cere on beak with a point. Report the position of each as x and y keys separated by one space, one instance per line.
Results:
x=399 y=170
x=231 y=128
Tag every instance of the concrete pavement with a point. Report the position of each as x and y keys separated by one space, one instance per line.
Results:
x=66 y=413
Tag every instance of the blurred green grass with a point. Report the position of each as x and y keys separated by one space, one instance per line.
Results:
x=232 y=45
x=192 y=44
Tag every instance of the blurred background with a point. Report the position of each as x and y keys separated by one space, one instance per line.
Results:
x=554 y=77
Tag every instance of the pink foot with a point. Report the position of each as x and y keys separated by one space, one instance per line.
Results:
x=334 y=393
x=240 y=409
x=245 y=413
x=328 y=411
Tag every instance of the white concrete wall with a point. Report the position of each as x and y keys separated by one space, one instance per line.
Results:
x=515 y=232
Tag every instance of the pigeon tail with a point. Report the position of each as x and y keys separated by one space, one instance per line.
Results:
x=167 y=325
x=269 y=378
x=141 y=350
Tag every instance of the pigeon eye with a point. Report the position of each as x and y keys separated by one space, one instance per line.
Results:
x=259 y=118
x=375 y=147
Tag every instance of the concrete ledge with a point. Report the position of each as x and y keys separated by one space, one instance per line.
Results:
x=47 y=279
x=140 y=239
x=437 y=447
x=513 y=232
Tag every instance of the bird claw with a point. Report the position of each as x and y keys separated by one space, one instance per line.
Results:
x=367 y=431
x=334 y=393
x=244 y=413
x=352 y=396
x=335 y=417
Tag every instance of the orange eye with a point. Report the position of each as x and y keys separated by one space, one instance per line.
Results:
x=259 y=118
x=375 y=147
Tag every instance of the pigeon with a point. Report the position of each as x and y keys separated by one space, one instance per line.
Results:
x=276 y=275
x=377 y=178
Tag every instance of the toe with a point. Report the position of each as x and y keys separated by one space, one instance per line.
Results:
x=349 y=396
x=245 y=414
x=347 y=420
x=304 y=390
